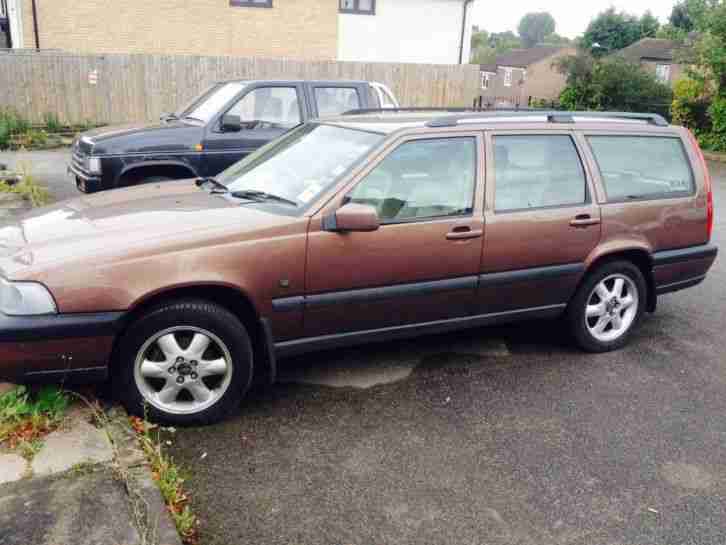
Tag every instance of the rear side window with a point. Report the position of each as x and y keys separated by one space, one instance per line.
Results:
x=638 y=167
x=537 y=171
x=336 y=100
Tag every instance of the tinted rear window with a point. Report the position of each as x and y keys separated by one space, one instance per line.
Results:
x=635 y=167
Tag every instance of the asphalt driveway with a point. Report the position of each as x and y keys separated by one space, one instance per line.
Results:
x=498 y=436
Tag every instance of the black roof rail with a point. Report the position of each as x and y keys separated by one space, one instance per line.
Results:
x=362 y=111
x=552 y=117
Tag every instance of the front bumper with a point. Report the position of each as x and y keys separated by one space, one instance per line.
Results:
x=74 y=347
x=85 y=182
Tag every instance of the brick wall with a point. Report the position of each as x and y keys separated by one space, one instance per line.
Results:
x=303 y=29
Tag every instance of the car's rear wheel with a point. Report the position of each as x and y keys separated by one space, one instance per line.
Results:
x=187 y=362
x=608 y=306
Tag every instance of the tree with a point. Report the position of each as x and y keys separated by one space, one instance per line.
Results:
x=610 y=31
x=680 y=19
x=534 y=27
x=611 y=84
x=649 y=25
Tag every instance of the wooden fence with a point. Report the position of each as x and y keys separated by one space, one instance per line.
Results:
x=128 y=88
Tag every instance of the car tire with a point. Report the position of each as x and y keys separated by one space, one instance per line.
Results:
x=187 y=362
x=608 y=306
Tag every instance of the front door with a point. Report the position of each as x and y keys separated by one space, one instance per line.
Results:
x=542 y=221
x=421 y=265
x=265 y=111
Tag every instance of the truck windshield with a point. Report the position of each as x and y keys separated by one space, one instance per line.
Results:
x=301 y=164
x=210 y=102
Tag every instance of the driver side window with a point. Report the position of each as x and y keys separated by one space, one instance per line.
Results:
x=422 y=179
x=278 y=106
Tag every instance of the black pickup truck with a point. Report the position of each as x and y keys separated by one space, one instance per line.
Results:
x=218 y=128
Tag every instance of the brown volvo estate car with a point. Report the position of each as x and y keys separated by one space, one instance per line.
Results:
x=355 y=229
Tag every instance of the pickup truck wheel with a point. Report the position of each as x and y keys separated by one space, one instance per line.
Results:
x=607 y=307
x=184 y=363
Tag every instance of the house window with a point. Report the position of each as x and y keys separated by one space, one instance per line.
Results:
x=485 y=80
x=663 y=72
x=507 y=77
x=361 y=7
x=251 y=3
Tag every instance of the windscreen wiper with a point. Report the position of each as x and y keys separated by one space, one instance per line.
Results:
x=261 y=196
x=219 y=187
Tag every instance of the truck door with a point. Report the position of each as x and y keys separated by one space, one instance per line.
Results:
x=266 y=111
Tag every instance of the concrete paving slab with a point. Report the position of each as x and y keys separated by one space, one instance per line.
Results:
x=12 y=468
x=90 y=509
x=66 y=447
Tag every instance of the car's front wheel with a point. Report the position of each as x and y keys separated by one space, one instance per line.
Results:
x=608 y=306
x=187 y=362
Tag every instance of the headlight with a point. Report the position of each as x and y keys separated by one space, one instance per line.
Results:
x=25 y=299
x=93 y=165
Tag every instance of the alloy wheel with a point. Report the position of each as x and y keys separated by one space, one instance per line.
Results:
x=183 y=370
x=612 y=307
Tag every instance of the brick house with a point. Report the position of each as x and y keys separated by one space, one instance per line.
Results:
x=661 y=57
x=422 y=31
x=523 y=73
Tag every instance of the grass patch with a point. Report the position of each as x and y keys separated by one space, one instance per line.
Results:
x=26 y=417
x=28 y=188
x=169 y=479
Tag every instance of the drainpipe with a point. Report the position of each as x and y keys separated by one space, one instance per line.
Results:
x=35 y=25
x=463 y=30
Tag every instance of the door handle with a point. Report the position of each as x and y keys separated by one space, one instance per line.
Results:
x=463 y=232
x=584 y=220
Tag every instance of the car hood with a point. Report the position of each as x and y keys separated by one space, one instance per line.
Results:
x=141 y=137
x=124 y=223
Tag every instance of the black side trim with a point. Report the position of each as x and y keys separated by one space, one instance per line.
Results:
x=374 y=294
x=69 y=376
x=680 y=285
x=669 y=257
x=269 y=356
x=288 y=304
x=527 y=275
x=326 y=342
x=58 y=326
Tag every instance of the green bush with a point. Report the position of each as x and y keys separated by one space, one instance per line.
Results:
x=11 y=123
x=690 y=105
x=716 y=139
x=611 y=84
x=52 y=122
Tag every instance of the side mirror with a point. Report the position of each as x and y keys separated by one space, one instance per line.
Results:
x=352 y=217
x=230 y=123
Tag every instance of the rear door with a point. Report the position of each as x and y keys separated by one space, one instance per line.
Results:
x=542 y=220
x=266 y=111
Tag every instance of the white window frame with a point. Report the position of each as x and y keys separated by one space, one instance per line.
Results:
x=15 y=17
x=486 y=80
x=508 y=73
x=663 y=73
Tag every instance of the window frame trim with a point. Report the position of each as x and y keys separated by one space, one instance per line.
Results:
x=314 y=95
x=356 y=10
x=586 y=135
x=250 y=4
x=477 y=141
x=590 y=189
x=215 y=123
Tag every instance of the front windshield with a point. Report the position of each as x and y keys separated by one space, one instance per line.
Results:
x=301 y=164
x=211 y=101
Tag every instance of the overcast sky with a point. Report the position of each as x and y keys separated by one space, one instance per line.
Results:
x=572 y=16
